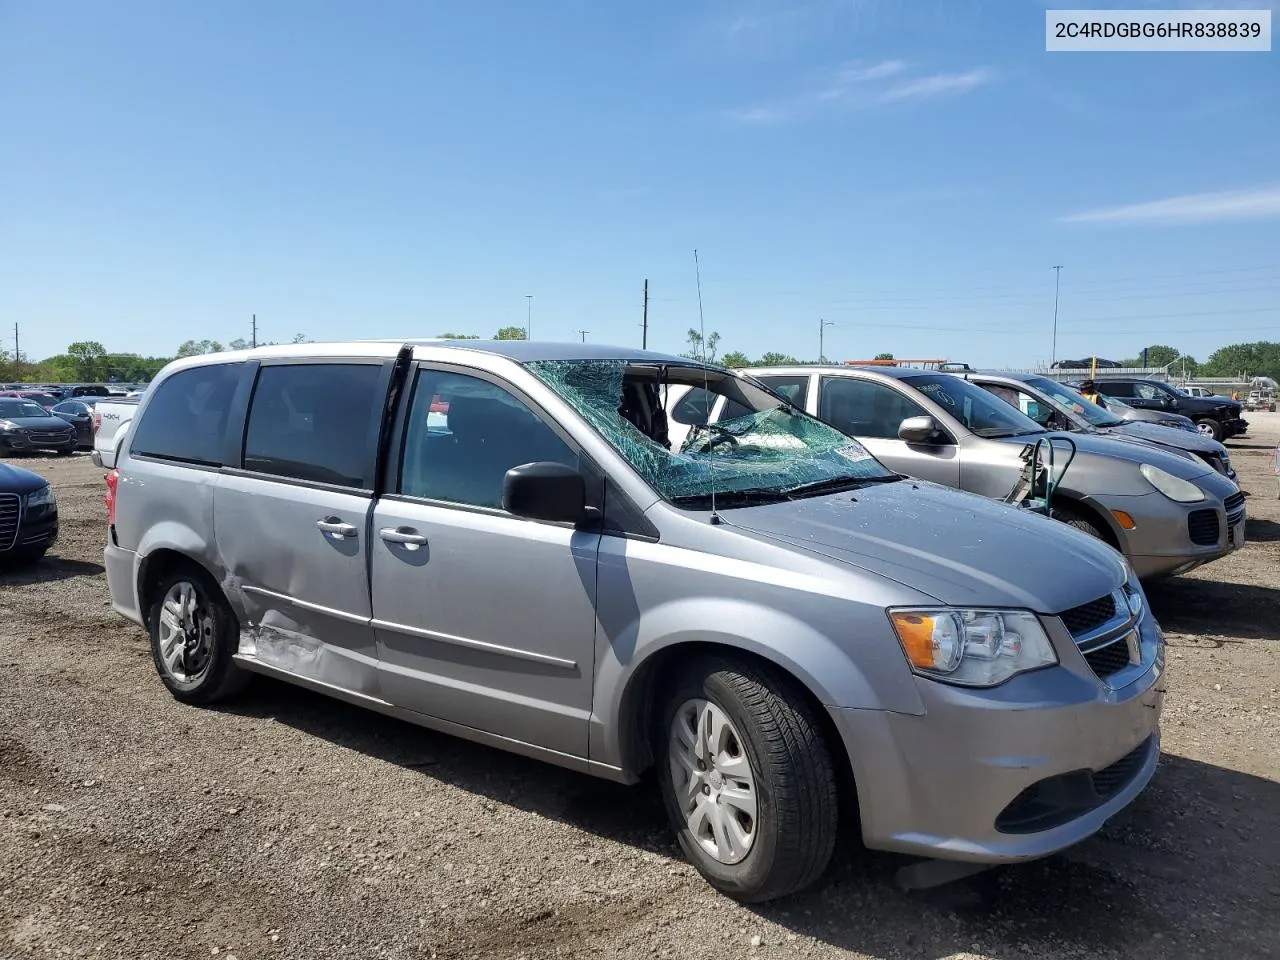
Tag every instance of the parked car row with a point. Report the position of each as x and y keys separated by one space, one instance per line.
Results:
x=765 y=601
x=1216 y=417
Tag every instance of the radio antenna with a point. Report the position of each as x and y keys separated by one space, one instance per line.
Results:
x=706 y=376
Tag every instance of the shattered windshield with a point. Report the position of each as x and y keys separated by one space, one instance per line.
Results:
x=980 y=412
x=1075 y=402
x=689 y=430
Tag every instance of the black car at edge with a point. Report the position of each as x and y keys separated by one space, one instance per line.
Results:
x=1215 y=417
x=28 y=515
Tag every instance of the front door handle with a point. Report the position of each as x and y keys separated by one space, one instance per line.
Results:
x=409 y=538
x=335 y=528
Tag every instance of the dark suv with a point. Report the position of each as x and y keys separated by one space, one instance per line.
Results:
x=1214 y=416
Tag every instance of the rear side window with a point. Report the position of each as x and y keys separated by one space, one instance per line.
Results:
x=187 y=418
x=317 y=422
x=1116 y=388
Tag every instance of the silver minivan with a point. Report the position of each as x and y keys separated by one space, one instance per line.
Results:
x=499 y=540
x=1167 y=513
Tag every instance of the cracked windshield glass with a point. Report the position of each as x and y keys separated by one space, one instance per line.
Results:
x=691 y=431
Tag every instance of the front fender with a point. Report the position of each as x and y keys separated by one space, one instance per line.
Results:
x=825 y=665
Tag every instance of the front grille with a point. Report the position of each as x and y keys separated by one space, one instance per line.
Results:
x=1233 y=502
x=1202 y=527
x=1057 y=800
x=1216 y=462
x=51 y=435
x=1089 y=616
x=1110 y=659
x=10 y=515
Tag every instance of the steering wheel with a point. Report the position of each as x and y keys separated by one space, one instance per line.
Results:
x=722 y=436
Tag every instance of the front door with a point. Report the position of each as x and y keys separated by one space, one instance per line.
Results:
x=292 y=524
x=482 y=618
x=872 y=412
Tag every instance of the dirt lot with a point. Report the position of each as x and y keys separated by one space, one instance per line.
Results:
x=289 y=825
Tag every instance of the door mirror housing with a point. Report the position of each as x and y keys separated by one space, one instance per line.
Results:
x=923 y=429
x=545 y=490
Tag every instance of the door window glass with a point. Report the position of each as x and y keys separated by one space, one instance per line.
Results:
x=1147 y=391
x=186 y=420
x=1116 y=388
x=862 y=408
x=315 y=421
x=464 y=434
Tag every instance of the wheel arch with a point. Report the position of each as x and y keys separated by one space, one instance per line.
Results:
x=1092 y=510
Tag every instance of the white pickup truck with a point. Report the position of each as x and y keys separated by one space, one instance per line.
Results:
x=111 y=419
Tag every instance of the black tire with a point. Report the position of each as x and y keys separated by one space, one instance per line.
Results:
x=221 y=677
x=1075 y=517
x=797 y=804
x=1213 y=427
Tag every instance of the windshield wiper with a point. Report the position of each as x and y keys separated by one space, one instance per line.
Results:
x=750 y=497
x=837 y=484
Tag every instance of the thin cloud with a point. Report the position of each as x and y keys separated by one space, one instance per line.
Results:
x=1255 y=204
x=863 y=85
x=938 y=85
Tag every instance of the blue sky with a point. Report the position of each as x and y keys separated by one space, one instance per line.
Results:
x=909 y=171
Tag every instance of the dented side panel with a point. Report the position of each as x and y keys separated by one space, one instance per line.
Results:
x=302 y=594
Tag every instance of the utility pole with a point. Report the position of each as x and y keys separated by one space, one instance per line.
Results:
x=584 y=334
x=1057 y=275
x=644 y=336
x=528 y=319
x=822 y=330
x=17 y=355
x=255 y=330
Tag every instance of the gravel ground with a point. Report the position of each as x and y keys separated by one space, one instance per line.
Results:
x=290 y=825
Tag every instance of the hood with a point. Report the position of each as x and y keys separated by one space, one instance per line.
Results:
x=1090 y=445
x=49 y=422
x=955 y=547
x=1170 y=437
x=17 y=480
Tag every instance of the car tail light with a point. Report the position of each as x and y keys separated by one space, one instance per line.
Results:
x=113 y=480
x=97 y=423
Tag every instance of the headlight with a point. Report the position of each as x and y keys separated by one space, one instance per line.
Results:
x=1175 y=488
x=973 y=648
x=41 y=498
x=8 y=427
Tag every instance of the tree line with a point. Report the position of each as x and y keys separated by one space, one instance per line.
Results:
x=89 y=361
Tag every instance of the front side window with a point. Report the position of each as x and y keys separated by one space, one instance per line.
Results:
x=186 y=420
x=979 y=412
x=464 y=434
x=864 y=408
x=314 y=421
x=759 y=449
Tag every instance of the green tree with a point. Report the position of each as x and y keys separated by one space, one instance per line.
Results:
x=884 y=356
x=702 y=349
x=196 y=348
x=1160 y=355
x=775 y=359
x=88 y=355
x=511 y=333
x=302 y=338
x=239 y=343
x=1258 y=359
x=472 y=336
x=736 y=359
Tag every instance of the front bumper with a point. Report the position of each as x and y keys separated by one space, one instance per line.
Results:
x=35 y=531
x=1234 y=427
x=976 y=776
x=1161 y=544
x=19 y=443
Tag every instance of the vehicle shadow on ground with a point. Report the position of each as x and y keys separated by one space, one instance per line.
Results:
x=1257 y=530
x=1111 y=893
x=1190 y=605
x=48 y=570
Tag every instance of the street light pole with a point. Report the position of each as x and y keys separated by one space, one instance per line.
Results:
x=528 y=320
x=1057 y=275
x=584 y=335
x=822 y=330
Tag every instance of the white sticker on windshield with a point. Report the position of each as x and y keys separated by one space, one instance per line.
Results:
x=853 y=452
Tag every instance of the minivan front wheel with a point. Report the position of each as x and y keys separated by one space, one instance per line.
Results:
x=193 y=637
x=747 y=778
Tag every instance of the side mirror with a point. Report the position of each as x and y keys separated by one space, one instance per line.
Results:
x=919 y=430
x=545 y=491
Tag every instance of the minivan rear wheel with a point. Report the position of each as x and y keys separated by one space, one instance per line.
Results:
x=746 y=778
x=193 y=637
